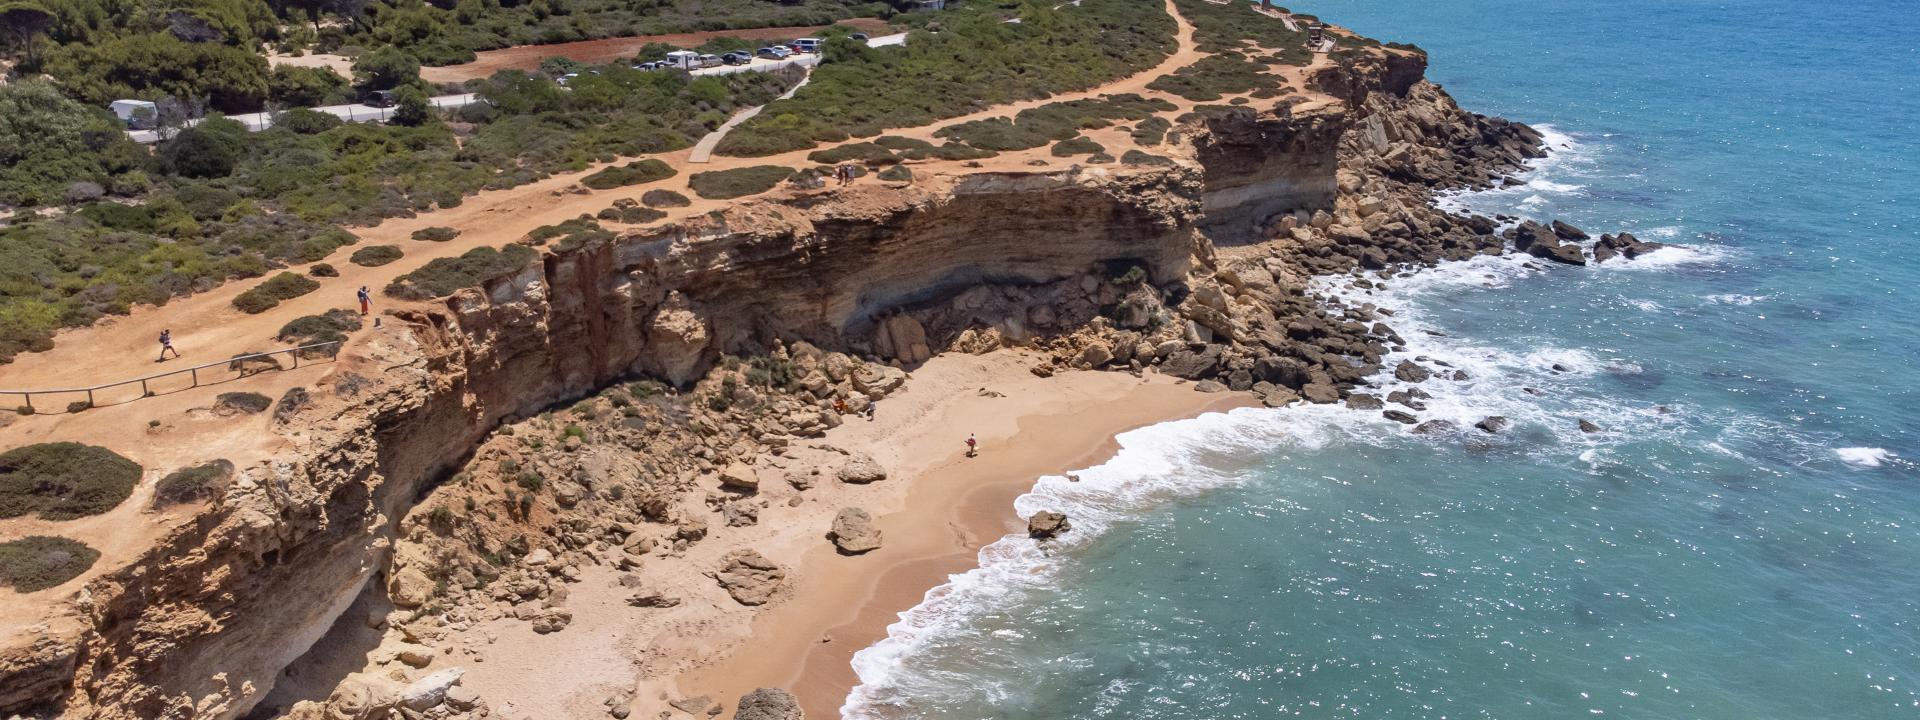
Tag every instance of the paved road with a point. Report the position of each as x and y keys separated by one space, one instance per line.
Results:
x=256 y=122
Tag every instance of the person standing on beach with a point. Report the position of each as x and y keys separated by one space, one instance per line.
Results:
x=366 y=300
x=166 y=344
x=973 y=446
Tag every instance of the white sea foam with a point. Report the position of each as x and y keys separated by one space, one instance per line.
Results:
x=1735 y=299
x=1863 y=457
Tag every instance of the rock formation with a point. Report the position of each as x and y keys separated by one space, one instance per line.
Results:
x=853 y=532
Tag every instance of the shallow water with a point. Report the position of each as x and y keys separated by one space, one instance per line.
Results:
x=1738 y=541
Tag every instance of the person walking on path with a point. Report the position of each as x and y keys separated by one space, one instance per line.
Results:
x=973 y=446
x=166 y=344
x=366 y=300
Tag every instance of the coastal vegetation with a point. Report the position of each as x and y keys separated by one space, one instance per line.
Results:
x=216 y=203
x=437 y=233
x=634 y=173
x=63 y=480
x=1036 y=127
x=375 y=255
x=267 y=295
x=738 y=182
x=1225 y=73
x=977 y=59
x=445 y=276
x=38 y=562
x=191 y=485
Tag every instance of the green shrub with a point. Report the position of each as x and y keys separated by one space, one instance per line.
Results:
x=631 y=214
x=444 y=276
x=1151 y=131
x=1135 y=157
x=897 y=173
x=79 y=406
x=302 y=121
x=1226 y=73
x=861 y=151
x=633 y=173
x=739 y=182
x=38 y=562
x=664 y=198
x=436 y=234
x=375 y=255
x=1034 y=127
x=898 y=144
x=1078 y=145
x=323 y=270
x=192 y=485
x=63 y=480
x=264 y=297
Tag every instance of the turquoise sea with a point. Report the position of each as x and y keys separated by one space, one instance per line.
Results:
x=1742 y=538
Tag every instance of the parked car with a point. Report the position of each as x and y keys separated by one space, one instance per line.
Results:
x=567 y=78
x=858 y=37
x=805 y=45
x=774 y=52
x=647 y=66
x=707 y=61
x=379 y=99
x=737 y=58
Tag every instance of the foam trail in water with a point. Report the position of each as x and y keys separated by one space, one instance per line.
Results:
x=1863 y=457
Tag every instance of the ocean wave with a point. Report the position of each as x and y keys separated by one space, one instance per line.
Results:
x=1735 y=299
x=1863 y=457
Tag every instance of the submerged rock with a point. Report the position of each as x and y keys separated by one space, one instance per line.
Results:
x=1492 y=424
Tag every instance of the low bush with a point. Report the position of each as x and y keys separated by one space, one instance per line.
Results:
x=631 y=214
x=633 y=173
x=897 y=143
x=664 y=198
x=192 y=485
x=571 y=234
x=1135 y=157
x=249 y=403
x=266 y=295
x=375 y=255
x=897 y=173
x=861 y=151
x=1077 y=145
x=1034 y=127
x=740 y=182
x=444 y=276
x=323 y=270
x=436 y=234
x=64 y=480
x=38 y=562
x=1151 y=131
x=1227 y=73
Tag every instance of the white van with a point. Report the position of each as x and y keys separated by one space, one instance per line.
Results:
x=683 y=59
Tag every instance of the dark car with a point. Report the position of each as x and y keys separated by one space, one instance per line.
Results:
x=773 y=52
x=859 y=37
x=736 y=58
x=380 y=99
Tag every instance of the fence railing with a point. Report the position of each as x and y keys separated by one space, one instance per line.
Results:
x=235 y=364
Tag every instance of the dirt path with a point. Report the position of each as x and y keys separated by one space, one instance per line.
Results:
x=600 y=52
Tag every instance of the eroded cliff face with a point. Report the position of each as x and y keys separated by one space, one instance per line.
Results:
x=203 y=624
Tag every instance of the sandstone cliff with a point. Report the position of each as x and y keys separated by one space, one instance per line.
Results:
x=1107 y=266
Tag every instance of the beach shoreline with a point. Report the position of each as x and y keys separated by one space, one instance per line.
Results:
x=946 y=509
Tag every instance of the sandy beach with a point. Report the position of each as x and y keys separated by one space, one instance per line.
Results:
x=946 y=508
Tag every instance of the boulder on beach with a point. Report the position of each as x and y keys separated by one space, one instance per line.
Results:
x=1047 y=524
x=853 y=532
x=769 y=704
x=749 y=577
x=861 y=469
